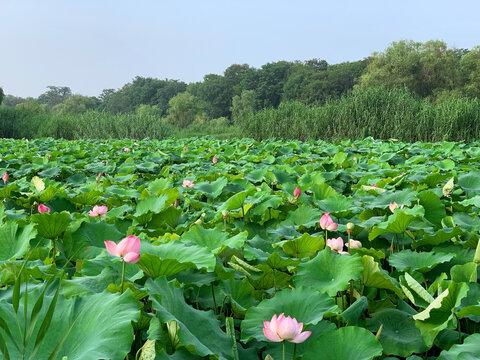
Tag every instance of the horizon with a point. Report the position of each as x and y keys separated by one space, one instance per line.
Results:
x=90 y=47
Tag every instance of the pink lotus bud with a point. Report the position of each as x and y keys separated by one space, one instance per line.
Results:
x=49 y=156
x=285 y=328
x=128 y=249
x=335 y=244
x=188 y=183
x=98 y=211
x=297 y=192
x=354 y=244
x=326 y=223
x=42 y=208
x=355 y=158
x=5 y=177
x=214 y=160
x=184 y=148
x=374 y=185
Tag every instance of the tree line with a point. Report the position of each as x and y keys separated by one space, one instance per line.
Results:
x=430 y=70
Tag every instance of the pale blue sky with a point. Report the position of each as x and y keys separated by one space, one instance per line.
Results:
x=90 y=45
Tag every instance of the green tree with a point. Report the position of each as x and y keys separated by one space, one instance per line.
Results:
x=148 y=91
x=185 y=109
x=242 y=106
x=2 y=95
x=421 y=67
x=272 y=78
x=76 y=104
x=12 y=101
x=470 y=67
x=215 y=91
x=32 y=106
x=148 y=110
x=55 y=95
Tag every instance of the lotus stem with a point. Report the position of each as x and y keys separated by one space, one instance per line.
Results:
x=123 y=276
x=294 y=352
x=283 y=350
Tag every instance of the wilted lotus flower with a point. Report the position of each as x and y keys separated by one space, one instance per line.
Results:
x=98 y=211
x=5 y=177
x=394 y=206
x=214 y=159
x=128 y=249
x=335 y=244
x=297 y=192
x=326 y=223
x=353 y=244
x=188 y=183
x=42 y=208
x=285 y=328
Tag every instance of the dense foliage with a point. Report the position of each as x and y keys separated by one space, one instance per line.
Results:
x=231 y=233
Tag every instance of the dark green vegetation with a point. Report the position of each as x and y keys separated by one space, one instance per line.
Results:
x=426 y=84
x=219 y=258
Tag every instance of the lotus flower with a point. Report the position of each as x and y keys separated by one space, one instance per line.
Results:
x=394 y=206
x=42 y=208
x=214 y=159
x=188 y=183
x=374 y=185
x=49 y=156
x=285 y=328
x=326 y=223
x=128 y=249
x=5 y=177
x=126 y=149
x=297 y=192
x=335 y=244
x=98 y=211
x=184 y=148
x=353 y=244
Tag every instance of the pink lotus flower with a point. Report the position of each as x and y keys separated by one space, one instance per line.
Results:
x=353 y=244
x=214 y=159
x=188 y=183
x=128 y=249
x=355 y=158
x=374 y=185
x=42 y=208
x=297 y=192
x=49 y=156
x=5 y=177
x=285 y=328
x=98 y=211
x=126 y=149
x=335 y=244
x=184 y=148
x=326 y=223
x=394 y=206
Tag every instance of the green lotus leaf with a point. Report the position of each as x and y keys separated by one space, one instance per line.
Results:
x=214 y=189
x=470 y=306
x=347 y=343
x=14 y=241
x=304 y=246
x=470 y=182
x=469 y=350
x=397 y=223
x=305 y=304
x=213 y=240
x=434 y=208
x=354 y=313
x=329 y=272
x=153 y=204
x=439 y=314
x=75 y=326
x=198 y=331
x=399 y=335
x=403 y=197
x=51 y=226
x=236 y=201
x=406 y=260
x=374 y=276
x=441 y=236
x=464 y=273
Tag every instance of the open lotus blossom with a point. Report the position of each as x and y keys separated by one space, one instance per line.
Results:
x=283 y=328
x=5 y=177
x=214 y=159
x=394 y=206
x=353 y=244
x=49 y=156
x=335 y=244
x=98 y=211
x=126 y=149
x=326 y=223
x=42 y=208
x=188 y=183
x=128 y=249
x=297 y=192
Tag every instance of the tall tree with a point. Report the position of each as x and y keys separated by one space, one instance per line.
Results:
x=184 y=109
x=470 y=66
x=242 y=106
x=77 y=104
x=2 y=95
x=55 y=95
x=215 y=91
x=272 y=78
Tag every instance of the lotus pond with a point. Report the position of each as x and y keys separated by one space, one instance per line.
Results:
x=193 y=249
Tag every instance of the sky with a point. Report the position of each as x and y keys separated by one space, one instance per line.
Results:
x=91 y=45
